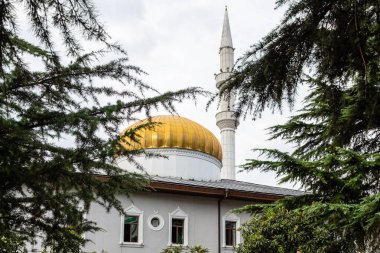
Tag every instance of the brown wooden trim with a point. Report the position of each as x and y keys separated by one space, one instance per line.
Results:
x=211 y=192
x=183 y=189
x=180 y=188
x=253 y=196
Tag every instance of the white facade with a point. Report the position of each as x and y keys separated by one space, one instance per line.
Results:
x=226 y=119
x=200 y=214
x=181 y=163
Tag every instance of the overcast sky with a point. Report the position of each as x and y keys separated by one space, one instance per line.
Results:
x=177 y=43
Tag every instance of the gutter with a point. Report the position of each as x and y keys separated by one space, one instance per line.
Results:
x=219 y=221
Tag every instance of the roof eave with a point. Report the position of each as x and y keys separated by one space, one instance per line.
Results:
x=226 y=193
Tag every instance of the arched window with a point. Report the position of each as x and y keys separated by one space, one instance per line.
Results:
x=132 y=227
x=231 y=235
x=178 y=228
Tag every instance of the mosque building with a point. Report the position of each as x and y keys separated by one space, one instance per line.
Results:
x=193 y=187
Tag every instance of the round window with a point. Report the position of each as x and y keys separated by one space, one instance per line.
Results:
x=155 y=222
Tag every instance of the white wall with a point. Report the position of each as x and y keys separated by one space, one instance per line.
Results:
x=181 y=163
x=202 y=216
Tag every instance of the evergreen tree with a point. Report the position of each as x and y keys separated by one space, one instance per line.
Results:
x=45 y=185
x=332 y=46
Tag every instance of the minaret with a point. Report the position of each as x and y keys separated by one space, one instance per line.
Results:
x=225 y=118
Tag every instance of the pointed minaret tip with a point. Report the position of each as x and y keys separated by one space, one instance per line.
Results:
x=226 y=33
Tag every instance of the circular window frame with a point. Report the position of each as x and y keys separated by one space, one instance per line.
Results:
x=159 y=217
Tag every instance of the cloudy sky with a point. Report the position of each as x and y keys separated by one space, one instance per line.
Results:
x=177 y=43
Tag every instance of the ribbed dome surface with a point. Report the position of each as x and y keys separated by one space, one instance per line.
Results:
x=175 y=132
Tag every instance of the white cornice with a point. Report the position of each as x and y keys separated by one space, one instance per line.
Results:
x=187 y=153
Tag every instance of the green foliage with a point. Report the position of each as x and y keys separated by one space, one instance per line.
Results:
x=179 y=249
x=198 y=249
x=11 y=242
x=59 y=123
x=335 y=41
x=277 y=230
x=173 y=249
x=333 y=47
x=342 y=176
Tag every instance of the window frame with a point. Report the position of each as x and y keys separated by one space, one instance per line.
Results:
x=132 y=210
x=231 y=217
x=177 y=228
x=158 y=216
x=136 y=223
x=232 y=231
x=181 y=215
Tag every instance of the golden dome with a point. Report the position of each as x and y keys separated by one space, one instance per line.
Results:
x=174 y=132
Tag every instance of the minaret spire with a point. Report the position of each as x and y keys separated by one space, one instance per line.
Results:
x=226 y=33
x=225 y=118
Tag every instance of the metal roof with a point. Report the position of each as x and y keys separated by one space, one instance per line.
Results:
x=231 y=185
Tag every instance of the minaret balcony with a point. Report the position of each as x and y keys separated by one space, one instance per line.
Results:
x=226 y=120
x=221 y=77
